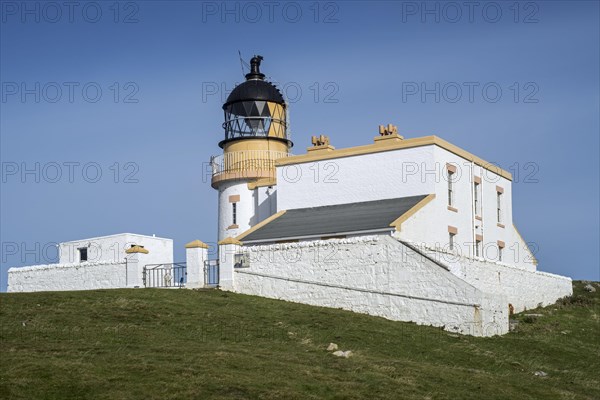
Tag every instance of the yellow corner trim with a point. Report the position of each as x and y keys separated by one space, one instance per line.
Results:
x=412 y=211
x=260 y=224
x=535 y=261
x=136 y=249
x=196 y=244
x=262 y=182
x=230 y=240
x=394 y=145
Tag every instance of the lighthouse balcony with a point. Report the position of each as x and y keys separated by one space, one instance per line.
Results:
x=248 y=164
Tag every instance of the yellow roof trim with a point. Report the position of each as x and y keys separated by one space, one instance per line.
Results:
x=395 y=145
x=535 y=261
x=412 y=211
x=136 y=249
x=196 y=244
x=260 y=224
x=230 y=240
x=262 y=182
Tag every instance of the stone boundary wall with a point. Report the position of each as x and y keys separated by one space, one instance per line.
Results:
x=60 y=277
x=524 y=289
x=375 y=275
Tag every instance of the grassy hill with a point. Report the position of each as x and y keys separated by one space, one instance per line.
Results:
x=175 y=344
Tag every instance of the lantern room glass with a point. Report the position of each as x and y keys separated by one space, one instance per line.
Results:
x=254 y=119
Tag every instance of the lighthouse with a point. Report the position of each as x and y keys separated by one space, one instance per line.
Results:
x=256 y=134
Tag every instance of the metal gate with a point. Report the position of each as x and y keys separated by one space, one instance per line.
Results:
x=211 y=273
x=165 y=275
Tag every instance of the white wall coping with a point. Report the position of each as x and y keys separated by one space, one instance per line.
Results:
x=116 y=235
x=58 y=266
x=483 y=260
x=312 y=243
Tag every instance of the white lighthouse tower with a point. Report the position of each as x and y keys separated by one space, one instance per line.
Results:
x=256 y=134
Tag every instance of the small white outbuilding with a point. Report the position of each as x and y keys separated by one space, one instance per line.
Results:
x=105 y=262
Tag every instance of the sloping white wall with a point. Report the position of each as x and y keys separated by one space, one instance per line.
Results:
x=524 y=289
x=375 y=275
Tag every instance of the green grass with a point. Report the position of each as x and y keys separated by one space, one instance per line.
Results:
x=176 y=344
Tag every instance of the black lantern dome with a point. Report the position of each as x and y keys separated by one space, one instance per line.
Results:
x=255 y=109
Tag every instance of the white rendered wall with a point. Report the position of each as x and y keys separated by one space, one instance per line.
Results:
x=195 y=258
x=430 y=224
x=410 y=172
x=244 y=211
x=265 y=203
x=375 y=275
x=375 y=176
x=58 y=277
x=524 y=289
x=112 y=248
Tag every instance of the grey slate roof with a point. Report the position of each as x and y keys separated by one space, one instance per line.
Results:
x=336 y=219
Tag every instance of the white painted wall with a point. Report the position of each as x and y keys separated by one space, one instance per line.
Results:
x=376 y=275
x=409 y=172
x=112 y=248
x=524 y=289
x=78 y=276
x=368 y=177
x=245 y=208
x=430 y=224
x=265 y=203
x=254 y=206
x=195 y=258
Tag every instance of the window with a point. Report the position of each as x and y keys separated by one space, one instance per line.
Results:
x=477 y=248
x=234 y=212
x=476 y=196
x=450 y=188
x=452 y=231
x=83 y=254
x=501 y=245
x=499 y=206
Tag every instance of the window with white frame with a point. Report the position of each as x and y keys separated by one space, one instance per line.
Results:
x=451 y=240
x=450 y=188
x=499 y=206
x=477 y=248
x=501 y=245
x=477 y=197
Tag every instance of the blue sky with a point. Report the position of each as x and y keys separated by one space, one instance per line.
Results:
x=142 y=83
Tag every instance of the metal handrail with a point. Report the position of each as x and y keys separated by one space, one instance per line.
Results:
x=177 y=264
x=246 y=160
